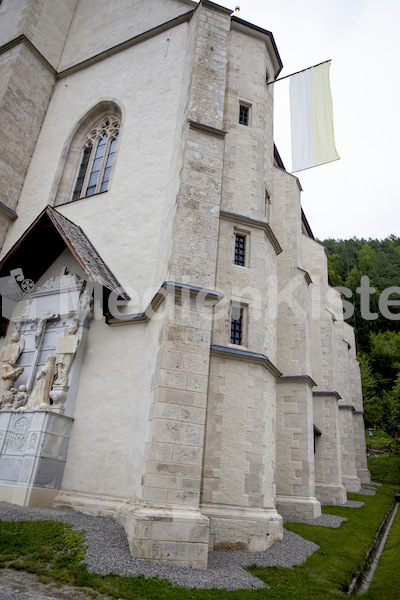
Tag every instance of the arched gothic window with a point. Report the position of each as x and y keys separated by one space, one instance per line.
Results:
x=97 y=159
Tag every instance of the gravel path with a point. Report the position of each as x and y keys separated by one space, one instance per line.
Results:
x=108 y=552
x=322 y=521
x=353 y=504
x=370 y=491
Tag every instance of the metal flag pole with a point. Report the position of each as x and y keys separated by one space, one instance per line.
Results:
x=301 y=71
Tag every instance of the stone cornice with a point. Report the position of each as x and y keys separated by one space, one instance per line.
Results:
x=217 y=7
x=206 y=128
x=22 y=39
x=333 y=316
x=166 y=288
x=8 y=213
x=253 y=223
x=327 y=393
x=297 y=378
x=347 y=406
x=306 y=275
x=253 y=357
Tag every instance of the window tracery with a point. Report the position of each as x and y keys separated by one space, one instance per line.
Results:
x=97 y=159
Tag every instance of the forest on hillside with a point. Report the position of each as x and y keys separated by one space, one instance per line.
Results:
x=367 y=272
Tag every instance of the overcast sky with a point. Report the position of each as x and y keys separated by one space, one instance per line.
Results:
x=358 y=195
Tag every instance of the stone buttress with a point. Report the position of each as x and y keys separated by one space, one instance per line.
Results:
x=295 y=484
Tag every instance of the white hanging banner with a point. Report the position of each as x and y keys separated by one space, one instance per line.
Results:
x=311 y=115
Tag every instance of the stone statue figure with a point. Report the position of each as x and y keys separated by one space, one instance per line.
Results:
x=26 y=313
x=85 y=302
x=39 y=397
x=9 y=355
x=20 y=398
x=8 y=398
x=15 y=399
x=41 y=326
x=66 y=349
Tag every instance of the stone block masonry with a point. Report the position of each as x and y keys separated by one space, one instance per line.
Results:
x=25 y=90
x=329 y=488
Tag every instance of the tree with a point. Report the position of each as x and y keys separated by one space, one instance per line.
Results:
x=378 y=339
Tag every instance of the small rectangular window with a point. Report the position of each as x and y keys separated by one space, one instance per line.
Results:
x=236 y=325
x=244 y=114
x=240 y=249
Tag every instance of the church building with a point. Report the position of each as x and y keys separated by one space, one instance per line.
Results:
x=173 y=355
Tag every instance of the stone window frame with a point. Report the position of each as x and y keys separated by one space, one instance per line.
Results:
x=70 y=162
x=107 y=127
x=246 y=234
x=247 y=107
x=236 y=306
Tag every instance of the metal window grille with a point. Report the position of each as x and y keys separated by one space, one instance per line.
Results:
x=240 y=249
x=244 y=115
x=236 y=327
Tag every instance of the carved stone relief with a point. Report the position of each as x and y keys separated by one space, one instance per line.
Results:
x=19 y=435
x=9 y=371
x=40 y=352
x=33 y=441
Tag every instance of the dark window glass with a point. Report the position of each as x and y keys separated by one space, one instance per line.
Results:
x=98 y=160
x=107 y=170
x=244 y=115
x=82 y=172
x=236 y=326
x=240 y=249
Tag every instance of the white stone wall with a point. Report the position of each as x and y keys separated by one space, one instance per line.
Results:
x=137 y=209
x=45 y=24
x=98 y=26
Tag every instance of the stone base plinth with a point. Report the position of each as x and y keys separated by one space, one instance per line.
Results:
x=364 y=476
x=27 y=496
x=298 y=506
x=171 y=535
x=352 y=484
x=175 y=536
x=330 y=494
x=239 y=528
x=33 y=450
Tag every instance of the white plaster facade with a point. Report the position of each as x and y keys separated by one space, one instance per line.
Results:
x=190 y=441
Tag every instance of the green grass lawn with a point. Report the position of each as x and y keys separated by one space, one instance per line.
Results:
x=386 y=582
x=54 y=552
x=385 y=468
